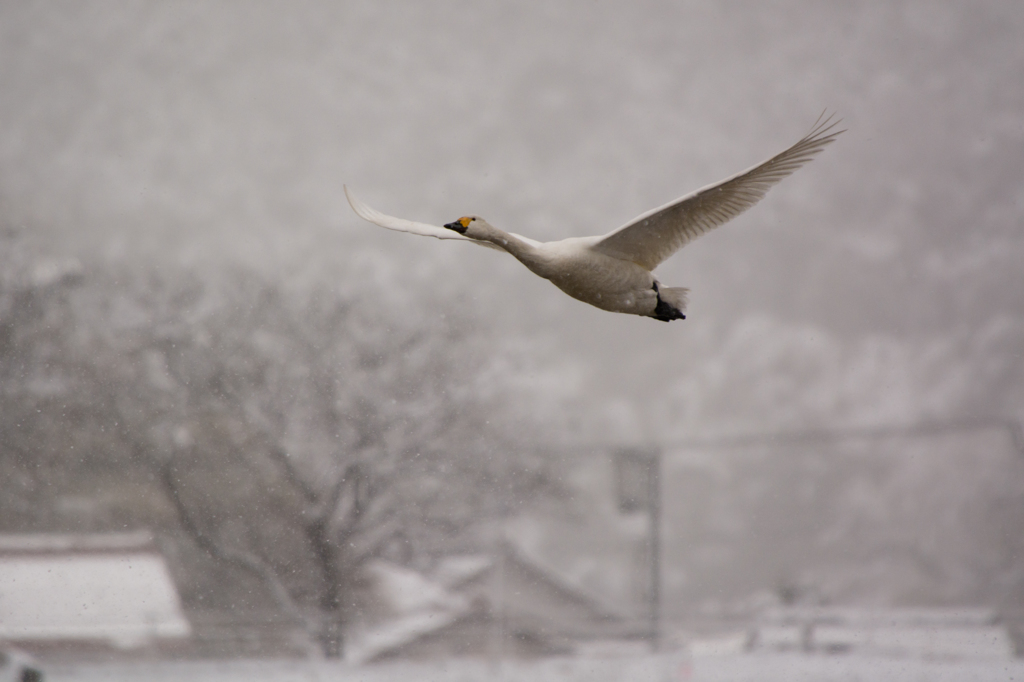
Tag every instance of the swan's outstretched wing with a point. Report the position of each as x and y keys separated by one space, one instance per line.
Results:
x=656 y=235
x=374 y=216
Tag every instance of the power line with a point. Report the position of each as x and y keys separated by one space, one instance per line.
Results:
x=1010 y=426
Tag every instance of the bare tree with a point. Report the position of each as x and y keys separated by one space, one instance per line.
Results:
x=297 y=438
x=34 y=376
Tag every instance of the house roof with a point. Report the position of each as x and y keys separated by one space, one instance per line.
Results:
x=113 y=588
x=56 y=543
x=532 y=599
x=412 y=604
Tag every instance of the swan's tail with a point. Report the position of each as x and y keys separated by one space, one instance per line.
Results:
x=671 y=303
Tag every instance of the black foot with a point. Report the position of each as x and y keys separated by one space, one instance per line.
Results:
x=663 y=311
x=667 y=313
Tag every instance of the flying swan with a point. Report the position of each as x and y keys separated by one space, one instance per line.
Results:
x=613 y=271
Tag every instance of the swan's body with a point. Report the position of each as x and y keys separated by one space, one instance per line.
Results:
x=613 y=271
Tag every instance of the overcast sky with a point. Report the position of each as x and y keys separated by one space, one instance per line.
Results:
x=213 y=133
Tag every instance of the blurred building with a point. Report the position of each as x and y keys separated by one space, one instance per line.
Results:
x=494 y=606
x=108 y=591
x=937 y=633
x=898 y=517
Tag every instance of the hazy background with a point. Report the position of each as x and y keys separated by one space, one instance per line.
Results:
x=881 y=285
x=209 y=134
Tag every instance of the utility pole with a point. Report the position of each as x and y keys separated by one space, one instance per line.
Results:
x=638 y=482
x=654 y=540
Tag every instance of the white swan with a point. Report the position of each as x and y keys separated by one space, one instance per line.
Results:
x=613 y=271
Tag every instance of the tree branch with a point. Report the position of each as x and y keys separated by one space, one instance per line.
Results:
x=239 y=558
x=291 y=474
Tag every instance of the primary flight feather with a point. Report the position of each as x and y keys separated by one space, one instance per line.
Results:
x=613 y=271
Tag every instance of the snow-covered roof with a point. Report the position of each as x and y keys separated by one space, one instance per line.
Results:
x=415 y=604
x=404 y=590
x=112 y=588
x=455 y=571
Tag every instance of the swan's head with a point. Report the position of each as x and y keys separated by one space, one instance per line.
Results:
x=462 y=224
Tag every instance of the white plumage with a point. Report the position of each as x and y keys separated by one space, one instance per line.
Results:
x=613 y=271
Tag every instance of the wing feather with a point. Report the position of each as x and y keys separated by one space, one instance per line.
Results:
x=364 y=211
x=654 y=236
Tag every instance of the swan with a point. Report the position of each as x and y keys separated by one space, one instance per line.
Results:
x=613 y=271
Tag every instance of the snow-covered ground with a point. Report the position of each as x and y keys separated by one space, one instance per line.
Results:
x=675 y=668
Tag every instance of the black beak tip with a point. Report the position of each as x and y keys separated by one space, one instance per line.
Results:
x=456 y=226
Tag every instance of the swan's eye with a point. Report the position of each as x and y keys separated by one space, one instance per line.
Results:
x=465 y=221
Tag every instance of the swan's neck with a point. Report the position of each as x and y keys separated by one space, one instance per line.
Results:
x=527 y=254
